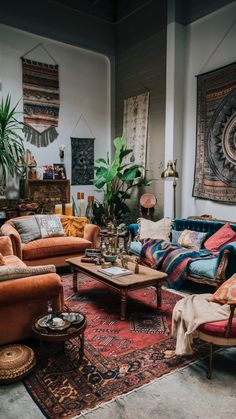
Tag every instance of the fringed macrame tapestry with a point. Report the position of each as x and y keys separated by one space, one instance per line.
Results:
x=41 y=102
x=215 y=165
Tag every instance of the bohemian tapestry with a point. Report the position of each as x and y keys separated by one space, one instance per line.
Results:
x=82 y=164
x=135 y=127
x=215 y=164
x=41 y=102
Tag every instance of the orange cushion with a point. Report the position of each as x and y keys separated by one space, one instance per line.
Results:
x=223 y=236
x=226 y=294
x=218 y=328
x=2 y=260
x=54 y=246
x=5 y=246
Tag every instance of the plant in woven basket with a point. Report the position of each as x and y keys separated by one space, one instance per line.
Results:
x=11 y=142
x=117 y=180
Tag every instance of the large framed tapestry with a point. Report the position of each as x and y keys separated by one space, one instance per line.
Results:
x=215 y=164
x=82 y=164
x=135 y=127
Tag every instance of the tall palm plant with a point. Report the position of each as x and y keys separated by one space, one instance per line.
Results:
x=11 y=143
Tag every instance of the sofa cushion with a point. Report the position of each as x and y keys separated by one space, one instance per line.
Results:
x=74 y=226
x=13 y=260
x=223 y=236
x=54 y=246
x=226 y=294
x=2 y=260
x=154 y=230
x=204 y=268
x=27 y=228
x=50 y=226
x=191 y=239
x=15 y=272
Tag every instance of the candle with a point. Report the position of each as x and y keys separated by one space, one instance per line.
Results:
x=68 y=209
x=58 y=209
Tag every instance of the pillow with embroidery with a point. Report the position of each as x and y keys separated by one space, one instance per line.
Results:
x=154 y=230
x=28 y=229
x=221 y=237
x=226 y=294
x=191 y=239
x=50 y=226
x=175 y=235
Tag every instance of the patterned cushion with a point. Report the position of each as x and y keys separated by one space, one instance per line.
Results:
x=74 y=226
x=175 y=235
x=50 y=226
x=28 y=229
x=2 y=261
x=191 y=239
x=226 y=294
x=154 y=230
x=223 y=236
x=15 y=272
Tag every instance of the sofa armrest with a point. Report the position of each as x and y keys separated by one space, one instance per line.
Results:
x=8 y=230
x=226 y=263
x=133 y=230
x=91 y=233
x=31 y=288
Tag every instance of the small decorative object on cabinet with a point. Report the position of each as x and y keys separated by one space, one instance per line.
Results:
x=59 y=171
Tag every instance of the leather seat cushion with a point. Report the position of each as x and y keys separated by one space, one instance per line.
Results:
x=218 y=328
x=54 y=246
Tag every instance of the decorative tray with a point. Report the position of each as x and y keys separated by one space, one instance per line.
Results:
x=57 y=323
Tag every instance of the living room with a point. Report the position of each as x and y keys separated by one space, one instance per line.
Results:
x=107 y=52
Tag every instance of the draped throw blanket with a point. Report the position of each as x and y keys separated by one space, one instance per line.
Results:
x=171 y=259
x=41 y=102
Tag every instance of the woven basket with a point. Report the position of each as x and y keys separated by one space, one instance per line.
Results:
x=16 y=361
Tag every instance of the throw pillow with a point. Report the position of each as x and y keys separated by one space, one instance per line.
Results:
x=154 y=230
x=191 y=239
x=6 y=246
x=2 y=261
x=28 y=229
x=16 y=272
x=223 y=236
x=50 y=226
x=226 y=294
x=175 y=235
x=74 y=226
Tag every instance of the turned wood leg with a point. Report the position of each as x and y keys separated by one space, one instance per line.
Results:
x=159 y=297
x=74 y=273
x=123 y=296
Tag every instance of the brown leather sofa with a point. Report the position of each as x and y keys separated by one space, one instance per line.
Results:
x=24 y=299
x=52 y=250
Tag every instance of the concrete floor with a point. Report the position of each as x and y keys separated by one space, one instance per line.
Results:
x=185 y=394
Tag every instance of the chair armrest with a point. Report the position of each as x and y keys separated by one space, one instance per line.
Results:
x=8 y=230
x=91 y=233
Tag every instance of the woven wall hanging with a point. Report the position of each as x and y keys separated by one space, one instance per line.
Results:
x=40 y=99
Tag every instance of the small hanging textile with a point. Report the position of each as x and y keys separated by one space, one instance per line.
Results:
x=41 y=102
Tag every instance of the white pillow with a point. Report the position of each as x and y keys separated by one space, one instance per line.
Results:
x=154 y=230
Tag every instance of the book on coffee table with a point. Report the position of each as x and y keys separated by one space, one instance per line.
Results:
x=115 y=271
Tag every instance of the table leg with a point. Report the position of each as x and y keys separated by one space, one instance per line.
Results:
x=159 y=296
x=81 y=349
x=74 y=273
x=123 y=296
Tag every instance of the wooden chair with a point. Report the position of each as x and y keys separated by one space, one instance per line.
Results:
x=221 y=333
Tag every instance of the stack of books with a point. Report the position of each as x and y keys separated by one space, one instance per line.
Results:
x=115 y=271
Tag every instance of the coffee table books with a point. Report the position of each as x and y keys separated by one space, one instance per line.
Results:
x=115 y=271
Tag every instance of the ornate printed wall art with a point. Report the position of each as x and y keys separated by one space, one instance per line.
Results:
x=41 y=100
x=215 y=165
x=82 y=164
x=135 y=127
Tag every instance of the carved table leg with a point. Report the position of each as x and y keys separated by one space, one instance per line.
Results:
x=123 y=295
x=159 y=296
x=74 y=273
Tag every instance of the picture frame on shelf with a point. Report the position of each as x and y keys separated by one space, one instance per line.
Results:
x=59 y=171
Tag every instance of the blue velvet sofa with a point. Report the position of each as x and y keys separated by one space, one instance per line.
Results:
x=208 y=271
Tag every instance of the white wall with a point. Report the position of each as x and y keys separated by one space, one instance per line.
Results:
x=85 y=80
x=210 y=44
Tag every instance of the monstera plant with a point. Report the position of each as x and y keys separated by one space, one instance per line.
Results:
x=117 y=180
x=11 y=143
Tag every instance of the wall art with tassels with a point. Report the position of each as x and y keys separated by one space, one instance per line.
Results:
x=40 y=99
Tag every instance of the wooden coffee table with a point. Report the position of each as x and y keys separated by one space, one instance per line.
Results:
x=145 y=278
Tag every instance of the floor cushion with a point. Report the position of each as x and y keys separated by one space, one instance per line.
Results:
x=54 y=246
x=204 y=268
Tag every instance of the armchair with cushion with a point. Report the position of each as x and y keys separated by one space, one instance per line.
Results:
x=24 y=293
x=78 y=235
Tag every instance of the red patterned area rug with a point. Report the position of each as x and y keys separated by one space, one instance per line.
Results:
x=119 y=355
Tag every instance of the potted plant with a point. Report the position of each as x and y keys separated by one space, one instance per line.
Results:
x=117 y=180
x=11 y=143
